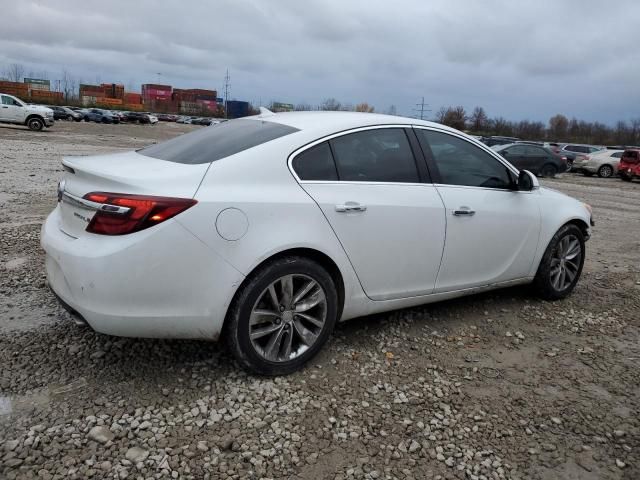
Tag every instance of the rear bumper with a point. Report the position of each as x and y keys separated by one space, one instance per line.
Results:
x=161 y=282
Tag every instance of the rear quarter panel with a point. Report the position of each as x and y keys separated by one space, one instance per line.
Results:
x=279 y=213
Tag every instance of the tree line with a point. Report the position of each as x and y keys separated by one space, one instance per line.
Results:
x=559 y=128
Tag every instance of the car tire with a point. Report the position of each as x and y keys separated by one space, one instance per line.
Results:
x=35 y=124
x=553 y=280
x=69 y=118
x=548 y=170
x=605 y=171
x=265 y=353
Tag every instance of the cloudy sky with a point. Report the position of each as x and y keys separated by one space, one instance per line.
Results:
x=518 y=59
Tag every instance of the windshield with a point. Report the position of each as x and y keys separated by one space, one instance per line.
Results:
x=216 y=142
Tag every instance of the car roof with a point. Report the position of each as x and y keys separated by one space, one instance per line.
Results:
x=322 y=121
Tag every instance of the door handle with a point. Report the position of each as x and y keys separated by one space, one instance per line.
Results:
x=350 y=207
x=464 y=211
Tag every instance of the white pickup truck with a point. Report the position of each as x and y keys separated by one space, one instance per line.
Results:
x=14 y=110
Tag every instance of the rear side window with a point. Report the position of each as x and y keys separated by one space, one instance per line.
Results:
x=316 y=163
x=379 y=155
x=219 y=141
x=617 y=155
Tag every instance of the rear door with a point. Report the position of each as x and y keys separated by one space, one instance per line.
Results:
x=388 y=217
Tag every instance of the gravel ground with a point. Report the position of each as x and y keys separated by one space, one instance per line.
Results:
x=493 y=386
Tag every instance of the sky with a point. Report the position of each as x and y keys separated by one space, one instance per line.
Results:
x=517 y=59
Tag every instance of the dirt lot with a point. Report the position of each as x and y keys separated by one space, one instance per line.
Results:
x=500 y=385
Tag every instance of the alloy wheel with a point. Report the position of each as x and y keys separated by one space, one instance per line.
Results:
x=606 y=171
x=565 y=262
x=287 y=318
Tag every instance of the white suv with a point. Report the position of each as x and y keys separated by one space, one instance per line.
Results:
x=14 y=110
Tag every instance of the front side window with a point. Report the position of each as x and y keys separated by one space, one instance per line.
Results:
x=218 y=141
x=459 y=162
x=316 y=163
x=379 y=155
x=7 y=100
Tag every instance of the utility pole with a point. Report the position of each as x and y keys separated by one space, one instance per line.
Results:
x=226 y=93
x=421 y=108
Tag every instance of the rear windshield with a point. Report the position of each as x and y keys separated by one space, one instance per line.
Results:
x=218 y=141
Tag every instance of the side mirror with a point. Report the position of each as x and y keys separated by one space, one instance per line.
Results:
x=527 y=181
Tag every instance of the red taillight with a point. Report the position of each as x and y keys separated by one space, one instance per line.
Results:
x=140 y=212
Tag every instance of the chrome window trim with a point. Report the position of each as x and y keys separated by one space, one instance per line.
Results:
x=464 y=137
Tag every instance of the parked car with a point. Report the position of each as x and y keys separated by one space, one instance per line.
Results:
x=121 y=116
x=220 y=237
x=629 y=167
x=138 y=117
x=498 y=140
x=13 y=110
x=580 y=151
x=151 y=117
x=584 y=149
x=167 y=117
x=65 y=113
x=100 y=116
x=604 y=163
x=538 y=160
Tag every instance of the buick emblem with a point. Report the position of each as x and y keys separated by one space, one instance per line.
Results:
x=61 y=185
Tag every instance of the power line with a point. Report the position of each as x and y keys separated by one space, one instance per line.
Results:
x=421 y=108
x=227 y=84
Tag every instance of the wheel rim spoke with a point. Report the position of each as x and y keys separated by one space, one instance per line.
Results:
x=273 y=346
x=273 y=296
x=288 y=343
x=303 y=291
x=310 y=319
x=288 y=318
x=311 y=301
x=287 y=289
x=305 y=334
x=258 y=316
x=261 y=332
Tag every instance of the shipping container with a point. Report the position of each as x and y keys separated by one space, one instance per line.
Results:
x=132 y=98
x=110 y=101
x=237 y=109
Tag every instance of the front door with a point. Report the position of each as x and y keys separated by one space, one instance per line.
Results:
x=492 y=229
x=389 y=220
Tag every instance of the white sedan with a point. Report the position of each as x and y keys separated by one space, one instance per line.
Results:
x=604 y=163
x=268 y=230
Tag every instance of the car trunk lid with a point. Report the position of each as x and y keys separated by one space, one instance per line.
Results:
x=126 y=173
